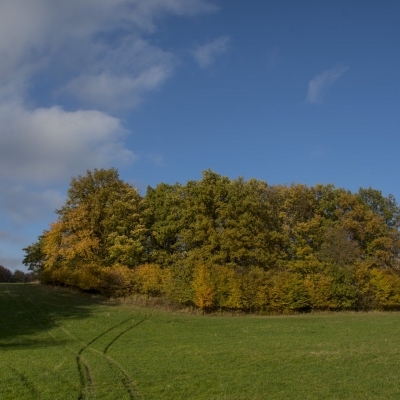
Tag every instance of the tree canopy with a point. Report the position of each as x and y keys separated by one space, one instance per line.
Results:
x=226 y=243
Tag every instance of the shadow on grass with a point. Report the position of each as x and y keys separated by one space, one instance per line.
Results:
x=27 y=310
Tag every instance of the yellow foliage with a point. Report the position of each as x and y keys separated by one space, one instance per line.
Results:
x=283 y=292
x=204 y=292
x=319 y=290
x=235 y=298
x=387 y=288
x=149 y=279
x=222 y=276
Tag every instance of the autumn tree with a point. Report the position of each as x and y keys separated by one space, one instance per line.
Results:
x=99 y=226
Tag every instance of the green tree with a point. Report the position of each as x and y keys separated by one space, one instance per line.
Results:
x=34 y=256
x=164 y=222
x=386 y=207
x=230 y=222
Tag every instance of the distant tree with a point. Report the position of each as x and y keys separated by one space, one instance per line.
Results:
x=5 y=274
x=19 y=276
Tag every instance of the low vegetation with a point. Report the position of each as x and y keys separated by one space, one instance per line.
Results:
x=223 y=244
x=59 y=344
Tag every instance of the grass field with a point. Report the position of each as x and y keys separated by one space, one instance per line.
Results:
x=57 y=344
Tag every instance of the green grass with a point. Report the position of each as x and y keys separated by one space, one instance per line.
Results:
x=58 y=344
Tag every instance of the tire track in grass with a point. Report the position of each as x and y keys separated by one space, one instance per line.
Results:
x=105 y=332
x=87 y=388
x=114 y=365
x=86 y=391
x=126 y=380
x=116 y=337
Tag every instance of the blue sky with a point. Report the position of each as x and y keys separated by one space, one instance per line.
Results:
x=283 y=91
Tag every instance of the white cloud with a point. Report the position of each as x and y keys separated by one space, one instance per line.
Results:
x=205 y=54
x=48 y=144
x=47 y=35
x=318 y=85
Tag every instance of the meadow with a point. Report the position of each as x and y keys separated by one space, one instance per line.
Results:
x=60 y=344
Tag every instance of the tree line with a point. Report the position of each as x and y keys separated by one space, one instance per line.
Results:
x=14 y=277
x=221 y=243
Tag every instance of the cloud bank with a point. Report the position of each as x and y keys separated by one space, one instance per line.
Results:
x=318 y=86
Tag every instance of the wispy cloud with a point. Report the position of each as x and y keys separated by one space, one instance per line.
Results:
x=109 y=88
x=205 y=54
x=318 y=86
